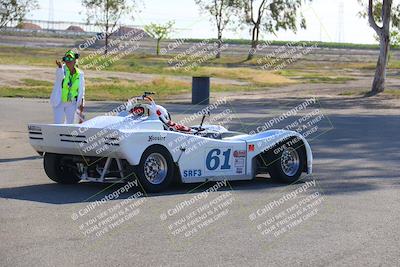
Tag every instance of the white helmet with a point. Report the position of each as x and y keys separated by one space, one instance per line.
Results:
x=162 y=113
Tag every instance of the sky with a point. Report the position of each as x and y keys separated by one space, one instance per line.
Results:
x=324 y=22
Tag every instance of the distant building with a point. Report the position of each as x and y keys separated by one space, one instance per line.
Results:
x=73 y=28
x=28 y=26
x=129 y=30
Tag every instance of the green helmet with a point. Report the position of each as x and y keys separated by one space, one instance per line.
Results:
x=70 y=56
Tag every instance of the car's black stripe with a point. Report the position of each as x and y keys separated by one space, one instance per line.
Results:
x=73 y=141
x=36 y=138
x=35 y=132
x=70 y=135
x=111 y=144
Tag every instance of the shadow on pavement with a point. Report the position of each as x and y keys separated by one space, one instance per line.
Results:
x=19 y=159
x=54 y=193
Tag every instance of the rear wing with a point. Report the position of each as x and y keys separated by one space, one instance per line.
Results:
x=74 y=139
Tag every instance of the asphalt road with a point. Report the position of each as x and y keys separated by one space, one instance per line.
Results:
x=347 y=214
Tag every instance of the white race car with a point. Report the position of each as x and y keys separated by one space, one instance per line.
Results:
x=143 y=142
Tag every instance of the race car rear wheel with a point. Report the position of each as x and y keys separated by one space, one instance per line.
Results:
x=59 y=169
x=156 y=169
x=289 y=162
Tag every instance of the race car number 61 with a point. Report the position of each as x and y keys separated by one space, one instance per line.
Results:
x=213 y=159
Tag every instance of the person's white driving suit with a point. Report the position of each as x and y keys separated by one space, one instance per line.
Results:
x=65 y=109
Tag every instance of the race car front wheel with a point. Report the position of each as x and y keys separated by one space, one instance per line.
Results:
x=156 y=169
x=288 y=162
x=59 y=169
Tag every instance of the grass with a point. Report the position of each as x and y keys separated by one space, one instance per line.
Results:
x=30 y=92
x=309 y=43
x=33 y=82
x=392 y=92
x=227 y=67
x=255 y=76
x=30 y=88
x=363 y=92
x=116 y=89
x=354 y=93
x=29 y=56
x=150 y=65
x=392 y=64
x=120 y=90
x=315 y=77
x=228 y=41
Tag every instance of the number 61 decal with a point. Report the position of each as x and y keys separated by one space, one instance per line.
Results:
x=215 y=158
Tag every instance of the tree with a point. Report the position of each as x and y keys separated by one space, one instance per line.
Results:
x=381 y=12
x=106 y=14
x=273 y=15
x=15 y=10
x=394 y=20
x=395 y=38
x=159 y=32
x=222 y=12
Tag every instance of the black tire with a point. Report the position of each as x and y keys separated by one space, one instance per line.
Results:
x=158 y=156
x=280 y=153
x=57 y=171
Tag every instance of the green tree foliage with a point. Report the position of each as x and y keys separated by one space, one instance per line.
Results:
x=394 y=20
x=159 y=32
x=15 y=10
x=107 y=13
x=272 y=16
x=222 y=14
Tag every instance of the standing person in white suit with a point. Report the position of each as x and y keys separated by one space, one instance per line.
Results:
x=69 y=89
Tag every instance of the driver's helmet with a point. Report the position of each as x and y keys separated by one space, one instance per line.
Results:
x=163 y=114
x=136 y=109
